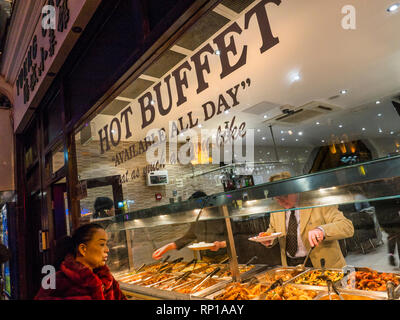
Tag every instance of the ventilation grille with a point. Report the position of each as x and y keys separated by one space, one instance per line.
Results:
x=304 y=113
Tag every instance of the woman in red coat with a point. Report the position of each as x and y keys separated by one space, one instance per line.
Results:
x=83 y=274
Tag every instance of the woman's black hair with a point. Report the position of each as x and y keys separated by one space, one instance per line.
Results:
x=69 y=245
x=100 y=205
x=197 y=195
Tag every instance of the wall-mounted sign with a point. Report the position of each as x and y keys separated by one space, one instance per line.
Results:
x=192 y=78
x=58 y=28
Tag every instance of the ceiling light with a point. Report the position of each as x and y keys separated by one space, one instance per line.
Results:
x=393 y=8
x=380 y=130
x=391 y=132
x=378 y=102
x=300 y=133
x=283 y=139
x=290 y=132
x=379 y=114
x=265 y=116
x=322 y=141
x=226 y=111
x=295 y=77
x=343 y=91
x=340 y=126
x=281 y=131
x=264 y=138
x=217 y=52
x=363 y=129
x=258 y=130
x=317 y=123
x=297 y=139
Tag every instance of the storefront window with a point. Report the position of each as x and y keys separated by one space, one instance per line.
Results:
x=240 y=73
x=239 y=98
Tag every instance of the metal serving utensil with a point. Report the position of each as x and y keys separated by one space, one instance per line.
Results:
x=208 y=277
x=251 y=260
x=332 y=286
x=273 y=286
x=302 y=267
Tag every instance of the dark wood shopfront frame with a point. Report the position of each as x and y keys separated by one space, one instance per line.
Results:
x=155 y=38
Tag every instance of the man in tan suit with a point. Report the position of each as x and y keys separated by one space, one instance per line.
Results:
x=320 y=228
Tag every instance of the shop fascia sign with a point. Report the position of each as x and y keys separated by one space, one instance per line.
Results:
x=42 y=58
x=151 y=103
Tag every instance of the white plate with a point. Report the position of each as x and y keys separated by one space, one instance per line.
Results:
x=262 y=239
x=201 y=246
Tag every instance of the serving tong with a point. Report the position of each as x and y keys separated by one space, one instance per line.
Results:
x=277 y=283
x=206 y=278
x=168 y=268
x=330 y=284
x=393 y=292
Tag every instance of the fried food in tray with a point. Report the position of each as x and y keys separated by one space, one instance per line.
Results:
x=171 y=283
x=240 y=291
x=242 y=269
x=188 y=289
x=285 y=275
x=289 y=292
x=318 y=277
x=134 y=277
x=156 y=278
x=373 y=280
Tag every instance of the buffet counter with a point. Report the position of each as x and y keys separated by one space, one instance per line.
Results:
x=186 y=281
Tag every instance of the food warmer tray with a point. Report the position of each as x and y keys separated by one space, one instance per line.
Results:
x=314 y=287
x=319 y=291
x=277 y=270
x=371 y=293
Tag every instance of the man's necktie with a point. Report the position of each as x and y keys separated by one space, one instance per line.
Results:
x=291 y=237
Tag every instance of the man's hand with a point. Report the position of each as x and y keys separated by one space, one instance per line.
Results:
x=266 y=243
x=218 y=245
x=315 y=237
x=159 y=252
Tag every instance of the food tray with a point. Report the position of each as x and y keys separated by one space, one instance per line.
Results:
x=372 y=293
x=278 y=272
x=264 y=286
x=311 y=286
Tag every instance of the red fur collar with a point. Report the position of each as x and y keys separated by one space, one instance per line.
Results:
x=82 y=275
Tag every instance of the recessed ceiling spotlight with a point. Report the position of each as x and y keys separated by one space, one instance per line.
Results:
x=265 y=116
x=297 y=139
x=391 y=132
x=380 y=130
x=226 y=111
x=258 y=130
x=300 y=133
x=317 y=123
x=290 y=132
x=378 y=102
x=264 y=138
x=379 y=114
x=281 y=131
x=393 y=8
x=322 y=141
x=296 y=77
x=344 y=91
x=363 y=129
x=283 y=139
x=340 y=126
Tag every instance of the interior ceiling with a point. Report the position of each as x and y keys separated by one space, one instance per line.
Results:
x=328 y=58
